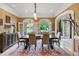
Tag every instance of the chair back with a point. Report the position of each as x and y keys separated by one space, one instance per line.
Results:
x=45 y=39
x=58 y=35
x=19 y=35
x=32 y=38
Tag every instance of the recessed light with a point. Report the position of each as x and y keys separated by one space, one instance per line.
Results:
x=13 y=5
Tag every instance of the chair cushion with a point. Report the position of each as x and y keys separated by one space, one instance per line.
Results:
x=22 y=40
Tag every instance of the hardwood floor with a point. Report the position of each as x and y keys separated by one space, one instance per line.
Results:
x=15 y=51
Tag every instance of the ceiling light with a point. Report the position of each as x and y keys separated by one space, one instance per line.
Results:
x=35 y=16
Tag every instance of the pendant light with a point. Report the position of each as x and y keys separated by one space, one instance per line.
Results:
x=35 y=15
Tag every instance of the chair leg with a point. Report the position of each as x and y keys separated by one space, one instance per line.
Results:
x=29 y=47
x=18 y=44
x=35 y=46
x=53 y=44
x=59 y=44
x=48 y=46
x=24 y=44
x=42 y=46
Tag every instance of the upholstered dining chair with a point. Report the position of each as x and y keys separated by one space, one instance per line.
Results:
x=45 y=40
x=56 y=39
x=32 y=40
x=20 y=39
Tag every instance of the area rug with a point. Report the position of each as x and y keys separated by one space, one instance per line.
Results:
x=36 y=53
x=15 y=51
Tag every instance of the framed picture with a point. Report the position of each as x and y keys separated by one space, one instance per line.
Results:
x=1 y=22
x=8 y=19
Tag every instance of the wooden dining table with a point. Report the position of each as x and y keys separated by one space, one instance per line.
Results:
x=38 y=36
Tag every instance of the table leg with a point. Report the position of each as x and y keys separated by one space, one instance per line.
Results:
x=27 y=44
x=50 y=42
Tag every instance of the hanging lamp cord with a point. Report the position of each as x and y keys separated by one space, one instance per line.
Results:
x=35 y=7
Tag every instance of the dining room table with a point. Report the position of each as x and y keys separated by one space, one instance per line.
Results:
x=38 y=36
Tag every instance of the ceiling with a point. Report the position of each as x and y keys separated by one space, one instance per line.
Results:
x=42 y=10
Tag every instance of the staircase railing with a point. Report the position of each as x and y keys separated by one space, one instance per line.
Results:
x=76 y=26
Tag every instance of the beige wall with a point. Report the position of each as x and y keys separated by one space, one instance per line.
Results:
x=4 y=13
x=52 y=19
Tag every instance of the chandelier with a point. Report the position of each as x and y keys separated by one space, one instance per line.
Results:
x=35 y=15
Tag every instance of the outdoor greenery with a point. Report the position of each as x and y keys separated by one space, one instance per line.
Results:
x=44 y=25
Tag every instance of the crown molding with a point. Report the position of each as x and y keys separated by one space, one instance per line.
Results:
x=8 y=9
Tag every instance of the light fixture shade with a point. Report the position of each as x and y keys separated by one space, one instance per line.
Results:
x=35 y=16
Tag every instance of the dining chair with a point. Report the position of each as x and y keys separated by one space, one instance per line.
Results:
x=57 y=39
x=20 y=39
x=32 y=40
x=45 y=40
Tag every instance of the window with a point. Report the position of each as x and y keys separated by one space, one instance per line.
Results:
x=28 y=26
x=45 y=25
